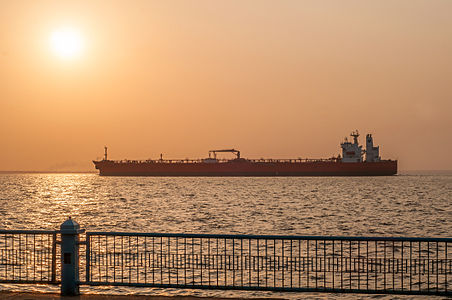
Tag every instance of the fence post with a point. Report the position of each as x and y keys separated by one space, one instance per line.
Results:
x=54 y=258
x=70 y=231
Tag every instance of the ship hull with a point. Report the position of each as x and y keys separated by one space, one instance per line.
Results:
x=246 y=168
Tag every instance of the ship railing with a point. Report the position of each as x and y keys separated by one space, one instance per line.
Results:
x=195 y=161
x=165 y=161
x=292 y=160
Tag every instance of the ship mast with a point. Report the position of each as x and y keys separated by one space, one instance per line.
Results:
x=355 y=135
x=105 y=154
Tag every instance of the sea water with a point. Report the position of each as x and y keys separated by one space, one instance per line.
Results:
x=411 y=205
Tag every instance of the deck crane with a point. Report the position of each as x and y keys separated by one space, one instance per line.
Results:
x=214 y=152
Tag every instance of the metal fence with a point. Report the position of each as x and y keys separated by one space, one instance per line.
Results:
x=233 y=262
x=270 y=263
x=28 y=256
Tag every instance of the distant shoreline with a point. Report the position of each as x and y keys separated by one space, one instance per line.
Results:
x=425 y=172
x=48 y=172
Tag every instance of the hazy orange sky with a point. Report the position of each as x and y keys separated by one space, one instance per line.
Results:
x=275 y=79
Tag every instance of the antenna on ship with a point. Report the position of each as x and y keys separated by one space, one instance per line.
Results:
x=105 y=155
x=355 y=135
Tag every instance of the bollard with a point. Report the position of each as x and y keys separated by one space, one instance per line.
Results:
x=70 y=231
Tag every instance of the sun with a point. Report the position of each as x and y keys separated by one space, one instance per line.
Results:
x=67 y=43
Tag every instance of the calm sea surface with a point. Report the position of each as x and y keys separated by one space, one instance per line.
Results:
x=404 y=205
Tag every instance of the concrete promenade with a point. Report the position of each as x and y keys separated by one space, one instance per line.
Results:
x=53 y=296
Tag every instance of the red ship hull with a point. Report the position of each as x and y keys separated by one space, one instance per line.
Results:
x=243 y=167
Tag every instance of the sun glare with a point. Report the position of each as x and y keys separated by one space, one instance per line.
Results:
x=66 y=43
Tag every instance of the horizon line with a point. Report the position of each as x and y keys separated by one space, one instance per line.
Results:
x=95 y=172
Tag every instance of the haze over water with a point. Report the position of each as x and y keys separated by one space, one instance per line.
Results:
x=405 y=205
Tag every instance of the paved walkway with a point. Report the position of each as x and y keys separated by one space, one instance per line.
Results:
x=47 y=296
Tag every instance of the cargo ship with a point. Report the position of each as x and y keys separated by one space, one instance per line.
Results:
x=351 y=163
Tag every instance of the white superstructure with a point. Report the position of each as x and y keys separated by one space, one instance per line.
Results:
x=372 y=153
x=353 y=152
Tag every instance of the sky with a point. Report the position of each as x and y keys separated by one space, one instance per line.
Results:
x=274 y=79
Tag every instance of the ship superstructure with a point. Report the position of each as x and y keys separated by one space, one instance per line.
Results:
x=350 y=164
x=372 y=153
x=353 y=152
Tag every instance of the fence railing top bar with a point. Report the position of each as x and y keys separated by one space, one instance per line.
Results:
x=6 y=231
x=272 y=237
